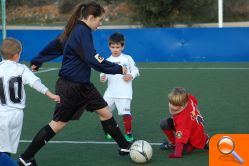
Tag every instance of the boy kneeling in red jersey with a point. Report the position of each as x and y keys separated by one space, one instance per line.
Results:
x=185 y=128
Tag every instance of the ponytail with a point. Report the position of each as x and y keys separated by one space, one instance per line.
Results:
x=77 y=12
x=81 y=11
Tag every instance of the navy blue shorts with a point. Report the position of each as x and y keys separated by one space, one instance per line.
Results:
x=75 y=98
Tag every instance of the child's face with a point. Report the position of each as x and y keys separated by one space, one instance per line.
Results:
x=16 y=57
x=174 y=108
x=95 y=22
x=116 y=49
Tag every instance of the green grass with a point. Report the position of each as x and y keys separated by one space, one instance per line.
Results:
x=223 y=101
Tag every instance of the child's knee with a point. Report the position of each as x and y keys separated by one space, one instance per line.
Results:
x=167 y=124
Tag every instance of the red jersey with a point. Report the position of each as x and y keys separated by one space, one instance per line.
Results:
x=189 y=125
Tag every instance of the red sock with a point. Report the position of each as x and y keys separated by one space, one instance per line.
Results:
x=127 y=123
x=171 y=135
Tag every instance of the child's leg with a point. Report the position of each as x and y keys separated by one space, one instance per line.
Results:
x=110 y=126
x=123 y=107
x=168 y=129
x=111 y=104
x=188 y=148
x=10 y=130
x=127 y=121
x=41 y=138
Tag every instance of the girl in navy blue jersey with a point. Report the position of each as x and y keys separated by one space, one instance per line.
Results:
x=73 y=86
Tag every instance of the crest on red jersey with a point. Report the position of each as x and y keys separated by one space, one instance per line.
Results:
x=179 y=134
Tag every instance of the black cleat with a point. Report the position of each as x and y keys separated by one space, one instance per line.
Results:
x=22 y=162
x=124 y=152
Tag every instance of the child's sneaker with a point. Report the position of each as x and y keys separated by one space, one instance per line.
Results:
x=167 y=145
x=129 y=137
x=108 y=137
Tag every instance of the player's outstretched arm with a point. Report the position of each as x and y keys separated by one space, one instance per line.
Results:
x=37 y=85
x=52 y=50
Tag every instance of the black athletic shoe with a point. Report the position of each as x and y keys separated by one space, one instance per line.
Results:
x=124 y=152
x=167 y=145
x=22 y=162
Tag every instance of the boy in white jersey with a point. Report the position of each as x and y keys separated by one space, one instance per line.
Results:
x=119 y=91
x=13 y=77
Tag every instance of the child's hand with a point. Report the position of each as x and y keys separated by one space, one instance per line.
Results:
x=127 y=77
x=56 y=98
x=52 y=96
x=124 y=69
x=103 y=77
x=34 y=68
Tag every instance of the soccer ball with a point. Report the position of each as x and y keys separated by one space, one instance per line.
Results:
x=141 y=151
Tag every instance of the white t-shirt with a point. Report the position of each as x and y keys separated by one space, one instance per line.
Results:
x=13 y=77
x=117 y=87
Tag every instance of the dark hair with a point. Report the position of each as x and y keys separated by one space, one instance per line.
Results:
x=10 y=47
x=81 y=11
x=117 y=38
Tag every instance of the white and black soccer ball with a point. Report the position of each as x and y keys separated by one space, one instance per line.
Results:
x=141 y=151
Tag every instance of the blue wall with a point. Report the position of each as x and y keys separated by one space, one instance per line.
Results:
x=157 y=44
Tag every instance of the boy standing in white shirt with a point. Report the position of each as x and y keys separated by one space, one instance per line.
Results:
x=119 y=91
x=13 y=77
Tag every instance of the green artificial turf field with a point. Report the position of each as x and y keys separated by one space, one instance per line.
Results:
x=221 y=88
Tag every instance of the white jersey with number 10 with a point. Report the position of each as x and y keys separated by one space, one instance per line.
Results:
x=13 y=77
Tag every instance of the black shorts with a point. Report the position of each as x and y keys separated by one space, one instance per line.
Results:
x=167 y=124
x=75 y=98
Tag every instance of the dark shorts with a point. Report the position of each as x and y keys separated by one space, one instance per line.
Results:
x=75 y=98
x=167 y=124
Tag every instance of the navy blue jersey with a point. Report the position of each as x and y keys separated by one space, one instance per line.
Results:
x=79 y=56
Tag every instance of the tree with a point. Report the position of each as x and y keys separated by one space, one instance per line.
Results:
x=166 y=13
x=236 y=10
x=14 y=3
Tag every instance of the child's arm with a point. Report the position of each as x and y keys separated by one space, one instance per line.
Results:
x=127 y=77
x=134 y=72
x=37 y=85
x=133 y=68
x=52 y=96
x=52 y=50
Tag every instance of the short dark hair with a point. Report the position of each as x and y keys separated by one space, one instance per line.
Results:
x=10 y=47
x=117 y=38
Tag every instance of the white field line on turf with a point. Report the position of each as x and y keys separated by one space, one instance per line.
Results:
x=169 y=68
x=80 y=142
x=194 y=68
x=46 y=70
